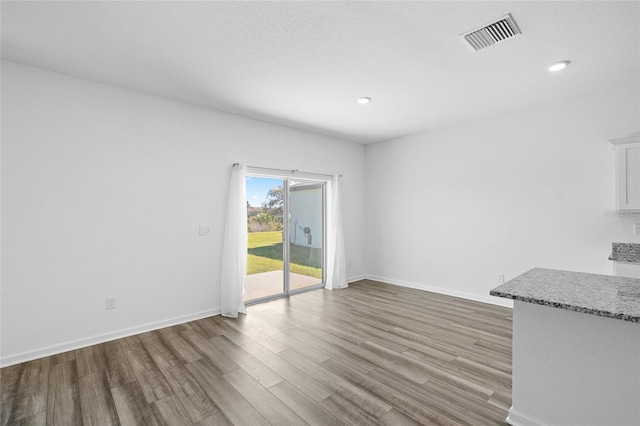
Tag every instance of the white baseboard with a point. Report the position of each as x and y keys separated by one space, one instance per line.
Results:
x=356 y=278
x=485 y=299
x=101 y=338
x=518 y=419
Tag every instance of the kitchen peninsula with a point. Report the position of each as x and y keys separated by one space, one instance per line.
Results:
x=576 y=348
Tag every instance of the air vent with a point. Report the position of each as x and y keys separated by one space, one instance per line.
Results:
x=490 y=34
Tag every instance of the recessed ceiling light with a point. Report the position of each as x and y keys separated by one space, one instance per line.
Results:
x=364 y=100
x=558 y=66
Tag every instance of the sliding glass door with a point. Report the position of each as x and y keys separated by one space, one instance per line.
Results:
x=306 y=234
x=286 y=224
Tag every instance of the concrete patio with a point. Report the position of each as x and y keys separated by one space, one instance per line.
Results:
x=271 y=283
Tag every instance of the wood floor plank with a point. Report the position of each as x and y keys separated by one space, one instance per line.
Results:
x=32 y=390
x=430 y=351
x=344 y=331
x=380 y=361
x=217 y=358
x=155 y=346
x=401 y=359
x=256 y=369
x=292 y=343
x=333 y=351
x=484 y=370
x=418 y=412
x=348 y=412
x=131 y=405
x=467 y=400
x=169 y=412
x=368 y=403
x=9 y=379
x=397 y=418
x=63 y=357
x=492 y=335
x=303 y=406
x=217 y=419
x=444 y=305
x=229 y=332
x=288 y=372
x=502 y=348
x=262 y=400
x=296 y=317
x=6 y=411
x=469 y=350
x=117 y=367
x=257 y=335
x=383 y=337
x=457 y=313
x=241 y=322
x=90 y=360
x=205 y=328
x=63 y=402
x=404 y=341
x=39 y=419
x=444 y=373
x=484 y=383
x=276 y=318
x=500 y=400
x=162 y=356
x=193 y=398
x=420 y=319
x=448 y=407
x=230 y=402
x=97 y=402
x=152 y=382
x=178 y=346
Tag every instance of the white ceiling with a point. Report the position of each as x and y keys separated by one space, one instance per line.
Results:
x=304 y=64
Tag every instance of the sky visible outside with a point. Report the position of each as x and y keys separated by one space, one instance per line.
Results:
x=257 y=189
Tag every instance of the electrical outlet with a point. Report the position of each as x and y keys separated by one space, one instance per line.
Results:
x=111 y=302
x=500 y=278
x=350 y=262
x=636 y=229
x=203 y=230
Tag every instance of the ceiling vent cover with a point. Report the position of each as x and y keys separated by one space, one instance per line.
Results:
x=492 y=33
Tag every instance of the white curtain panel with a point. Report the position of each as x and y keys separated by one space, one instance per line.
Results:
x=336 y=262
x=234 y=255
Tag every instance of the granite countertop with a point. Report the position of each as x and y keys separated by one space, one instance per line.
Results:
x=625 y=252
x=603 y=295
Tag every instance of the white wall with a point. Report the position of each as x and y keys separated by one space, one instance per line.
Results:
x=452 y=208
x=103 y=190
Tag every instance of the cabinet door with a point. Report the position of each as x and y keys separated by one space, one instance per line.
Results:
x=628 y=176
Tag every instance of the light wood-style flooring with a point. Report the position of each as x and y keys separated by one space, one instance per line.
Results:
x=372 y=354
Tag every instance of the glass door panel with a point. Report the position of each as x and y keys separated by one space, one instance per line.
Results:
x=265 y=248
x=306 y=234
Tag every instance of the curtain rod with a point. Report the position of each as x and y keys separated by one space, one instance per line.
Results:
x=287 y=171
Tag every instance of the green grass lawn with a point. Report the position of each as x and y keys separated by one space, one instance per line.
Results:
x=265 y=254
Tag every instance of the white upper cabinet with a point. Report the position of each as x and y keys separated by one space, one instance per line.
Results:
x=627 y=152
